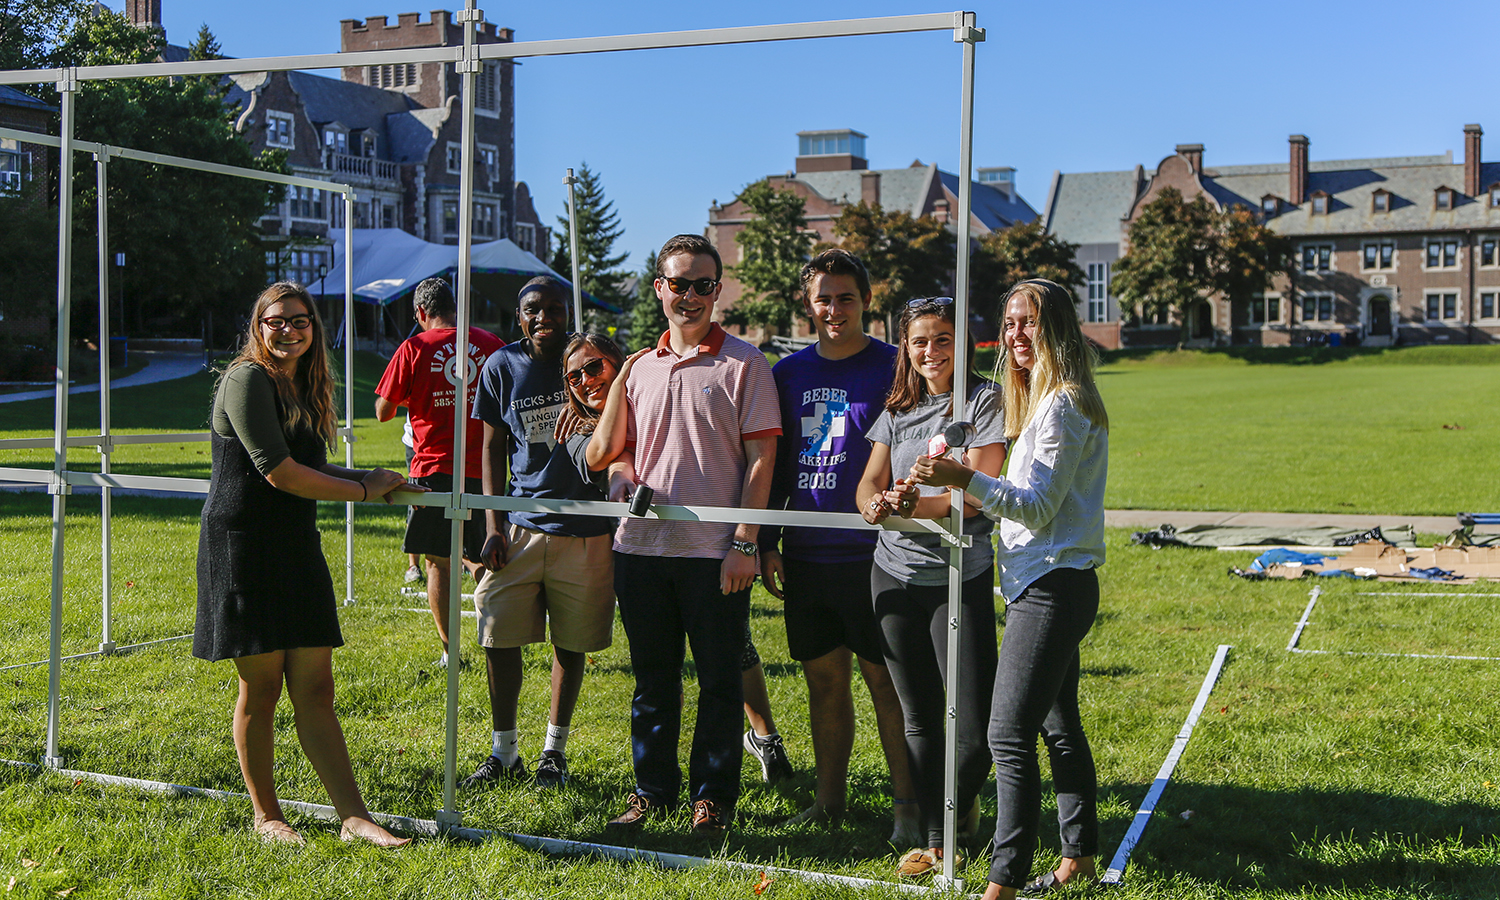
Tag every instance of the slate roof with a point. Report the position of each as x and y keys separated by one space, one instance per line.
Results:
x=1087 y=208
x=992 y=206
x=9 y=96
x=356 y=106
x=906 y=189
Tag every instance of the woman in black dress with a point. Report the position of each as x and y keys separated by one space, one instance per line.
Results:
x=265 y=596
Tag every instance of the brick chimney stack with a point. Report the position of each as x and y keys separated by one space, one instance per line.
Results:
x=144 y=13
x=1472 y=135
x=1194 y=155
x=1297 y=189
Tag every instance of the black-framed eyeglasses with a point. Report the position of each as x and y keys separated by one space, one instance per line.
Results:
x=929 y=301
x=593 y=369
x=276 y=323
x=702 y=287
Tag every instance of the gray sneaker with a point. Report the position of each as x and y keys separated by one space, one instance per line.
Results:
x=774 y=765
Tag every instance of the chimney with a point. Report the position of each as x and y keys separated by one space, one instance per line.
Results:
x=144 y=13
x=1194 y=155
x=869 y=187
x=1297 y=189
x=1472 y=135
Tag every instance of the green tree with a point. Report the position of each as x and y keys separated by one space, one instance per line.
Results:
x=647 y=321
x=205 y=45
x=1024 y=250
x=774 y=246
x=31 y=30
x=1248 y=255
x=598 y=231
x=907 y=257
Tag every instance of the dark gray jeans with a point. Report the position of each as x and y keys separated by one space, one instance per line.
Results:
x=1036 y=692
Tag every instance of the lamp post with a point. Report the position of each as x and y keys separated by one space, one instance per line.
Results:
x=120 y=264
x=322 y=274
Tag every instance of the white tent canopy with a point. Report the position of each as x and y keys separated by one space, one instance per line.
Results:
x=389 y=263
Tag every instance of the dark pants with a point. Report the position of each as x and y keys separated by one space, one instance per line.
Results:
x=914 y=638
x=662 y=601
x=1036 y=692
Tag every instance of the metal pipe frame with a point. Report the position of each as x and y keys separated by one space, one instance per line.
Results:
x=468 y=59
x=97 y=440
x=572 y=182
x=106 y=447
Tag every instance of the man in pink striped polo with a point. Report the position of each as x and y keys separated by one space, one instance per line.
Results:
x=704 y=418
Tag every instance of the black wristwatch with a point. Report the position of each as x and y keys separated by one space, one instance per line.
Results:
x=748 y=548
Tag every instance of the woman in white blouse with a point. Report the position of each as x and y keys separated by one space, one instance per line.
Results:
x=1050 y=506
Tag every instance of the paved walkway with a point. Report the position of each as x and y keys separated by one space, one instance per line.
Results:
x=1151 y=518
x=160 y=366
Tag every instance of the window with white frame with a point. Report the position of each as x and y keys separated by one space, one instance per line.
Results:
x=487 y=87
x=1487 y=305
x=489 y=157
x=1317 y=257
x=455 y=158
x=1380 y=201
x=1442 y=253
x=1098 y=292
x=15 y=167
x=450 y=217
x=1380 y=255
x=1442 y=305
x=1487 y=252
x=1443 y=198
x=484 y=220
x=1270 y=205
x=526 y=236
x=304 y=202
x=1320 y=204
x=1265 y=309
x=1317 y=307
x=279 y=131
x=335 y=140
x=1495 y=197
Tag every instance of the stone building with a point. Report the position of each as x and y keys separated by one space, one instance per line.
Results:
x=832 y=171
x=1390 y=250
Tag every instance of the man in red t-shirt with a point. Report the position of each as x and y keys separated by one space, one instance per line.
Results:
x=423 y=377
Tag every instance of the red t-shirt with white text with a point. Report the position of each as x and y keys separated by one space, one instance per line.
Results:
x=422 y=377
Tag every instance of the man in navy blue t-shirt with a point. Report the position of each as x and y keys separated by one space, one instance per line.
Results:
x=546 y=571
x=830 y=394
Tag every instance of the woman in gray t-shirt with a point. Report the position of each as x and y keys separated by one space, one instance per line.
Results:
x=910 y=577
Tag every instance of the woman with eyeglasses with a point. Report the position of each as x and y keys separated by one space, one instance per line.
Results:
x=1051 y=514
x=265 y=596
x=910 y=578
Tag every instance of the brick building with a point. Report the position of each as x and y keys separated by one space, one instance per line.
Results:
x=392 y=132
x=832 y=171
x=22 y=163
x=1401 y=249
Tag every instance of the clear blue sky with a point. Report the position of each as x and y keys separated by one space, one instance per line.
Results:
x=1076 y=86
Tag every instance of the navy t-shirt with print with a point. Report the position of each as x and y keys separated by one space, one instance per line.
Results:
x=525 y=396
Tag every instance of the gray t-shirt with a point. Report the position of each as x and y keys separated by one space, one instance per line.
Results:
x=578 y=445
x=922 y=558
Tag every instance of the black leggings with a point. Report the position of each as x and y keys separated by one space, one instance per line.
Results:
x=1036 y=692
x=914 y=638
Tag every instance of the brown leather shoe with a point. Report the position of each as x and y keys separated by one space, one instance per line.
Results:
x=636 y=810
x=711 y=817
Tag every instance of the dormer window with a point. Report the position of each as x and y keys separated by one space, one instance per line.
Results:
x=1443 y=198
x=1319 y=203
x=1380 y=201
x=1270 y=205
x=335 y=140
x=1495 y=196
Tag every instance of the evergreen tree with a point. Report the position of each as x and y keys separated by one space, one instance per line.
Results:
x=647 y=321
x=1024 y=250
x=775 y=245
x=598 y=231
x=205 y=45
x=907 y=257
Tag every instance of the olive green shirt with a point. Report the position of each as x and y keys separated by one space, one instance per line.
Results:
x=245 y=408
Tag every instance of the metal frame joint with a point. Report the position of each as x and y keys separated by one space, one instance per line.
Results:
x=466 y=66
x=347 y=433
x=52 y=762
x=964 y=32
x=468 y=15
x=448 y=818
x=68 y=82
x=458 y=512
x=59 y=486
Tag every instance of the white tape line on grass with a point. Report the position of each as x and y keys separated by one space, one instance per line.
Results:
x=1312 y=600
x=1116 y=870
x=552 y=846
x=128 y=648
x=1422 y=594
x=467 y=614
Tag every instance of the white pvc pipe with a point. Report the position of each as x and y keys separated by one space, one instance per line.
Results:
x=106 y=450
x=349 y=390
x=571 y=182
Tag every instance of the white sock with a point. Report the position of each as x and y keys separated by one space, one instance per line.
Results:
x=762 y=738
x=443 y=663
x=504 y=748
x=557 y=737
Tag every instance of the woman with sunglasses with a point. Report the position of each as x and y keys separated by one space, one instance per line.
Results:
x=1051 y=514
x=265 y=596
x=910 y=578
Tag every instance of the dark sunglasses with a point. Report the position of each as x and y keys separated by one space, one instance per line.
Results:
x=276 y=323
x=593 y=369
x=702 y=287
x=929 y=301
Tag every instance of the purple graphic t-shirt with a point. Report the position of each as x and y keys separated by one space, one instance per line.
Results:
x=826 y=407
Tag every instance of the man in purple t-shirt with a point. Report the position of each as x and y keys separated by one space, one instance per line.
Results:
x=830 y=394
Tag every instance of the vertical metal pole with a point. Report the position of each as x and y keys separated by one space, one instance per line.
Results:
x=468 y=68
x=60 y=488
x=106 y=440
x=570 y=181
x=348 y=391
x=963 y=32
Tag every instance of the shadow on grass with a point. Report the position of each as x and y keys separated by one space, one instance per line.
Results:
x=1305 y=840
x=1307 y=356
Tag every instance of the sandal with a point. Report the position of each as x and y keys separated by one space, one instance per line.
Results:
x=920 y=863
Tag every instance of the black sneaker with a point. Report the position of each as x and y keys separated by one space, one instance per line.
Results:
x=492 y=770
x=551 y=770
x=774 y=765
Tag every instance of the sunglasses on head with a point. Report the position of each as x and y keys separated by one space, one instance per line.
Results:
x=276 y=323
x=593 y=369
x=702 y=287
x=929 y=301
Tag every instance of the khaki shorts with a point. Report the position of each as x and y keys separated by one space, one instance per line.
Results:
x=565 y=581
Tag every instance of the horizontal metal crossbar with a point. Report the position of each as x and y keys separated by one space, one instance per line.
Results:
x=139 y=482
x=28 y=476
x=177 y=162
x=94 y=440
x=707 y=37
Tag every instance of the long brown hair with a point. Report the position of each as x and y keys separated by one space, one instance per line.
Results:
x=909 y=387
x=610 y=351
x=307 y=400
x=1064 y=360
